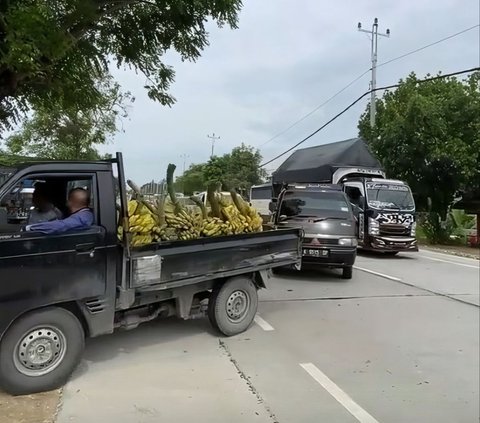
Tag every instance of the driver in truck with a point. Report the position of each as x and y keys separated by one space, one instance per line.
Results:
x=44 y=210
x=81 y=217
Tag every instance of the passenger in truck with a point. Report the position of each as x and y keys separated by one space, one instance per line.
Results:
x=81 y=217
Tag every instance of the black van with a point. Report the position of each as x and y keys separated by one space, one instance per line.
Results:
x=326 y=217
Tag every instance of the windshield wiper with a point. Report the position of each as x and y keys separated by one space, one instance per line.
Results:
x=320 y=219
x=304 y=215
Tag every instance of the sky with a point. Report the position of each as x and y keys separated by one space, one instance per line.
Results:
x=285 y=59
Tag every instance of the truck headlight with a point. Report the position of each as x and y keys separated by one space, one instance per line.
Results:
x=413 y=229
x=373 y=227
x=350 y=242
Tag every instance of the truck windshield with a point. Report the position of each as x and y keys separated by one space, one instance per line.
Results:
x=315 y=204
x=390 y=196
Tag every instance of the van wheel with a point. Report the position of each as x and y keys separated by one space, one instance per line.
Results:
x=233 y=305
x=40 y=351
x=347 y=272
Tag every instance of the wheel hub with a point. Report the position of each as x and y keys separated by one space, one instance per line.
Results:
x=40 y=351
x=237 y=305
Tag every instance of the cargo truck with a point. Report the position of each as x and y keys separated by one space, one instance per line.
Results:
x=56 y=290
x=384 y=208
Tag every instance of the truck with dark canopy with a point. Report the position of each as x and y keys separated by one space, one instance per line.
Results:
x=384 y=208
x=58 y=289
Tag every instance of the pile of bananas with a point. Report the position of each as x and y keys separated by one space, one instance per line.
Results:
x=162 y=220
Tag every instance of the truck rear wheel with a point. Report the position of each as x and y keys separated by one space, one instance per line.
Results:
x=40 y=351
x=233 y=305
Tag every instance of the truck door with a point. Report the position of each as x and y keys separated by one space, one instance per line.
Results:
x=38 y=269
x=356 y=195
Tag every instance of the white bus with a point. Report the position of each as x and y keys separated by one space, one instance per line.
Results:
x=260 y=197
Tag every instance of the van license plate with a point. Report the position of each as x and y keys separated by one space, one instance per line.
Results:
x=315 y=253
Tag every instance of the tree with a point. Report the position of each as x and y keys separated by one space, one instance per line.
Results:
x=55 y=51
x=239 y=169
x=69 y=134
x=192 y=180
x=428 y=134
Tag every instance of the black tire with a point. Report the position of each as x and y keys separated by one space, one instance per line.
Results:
x=238 y=291
x=347 y=272
x=54 y=329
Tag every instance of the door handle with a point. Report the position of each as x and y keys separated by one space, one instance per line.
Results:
x=88 y=248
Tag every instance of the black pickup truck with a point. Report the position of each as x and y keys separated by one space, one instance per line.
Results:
x=56 y=290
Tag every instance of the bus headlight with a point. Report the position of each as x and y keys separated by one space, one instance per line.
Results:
x=413 y=229
x=373 y=227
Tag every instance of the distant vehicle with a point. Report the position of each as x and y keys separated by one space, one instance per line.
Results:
x=202 y=196
x=260 y=197
x=326 y=217
x=384 y=208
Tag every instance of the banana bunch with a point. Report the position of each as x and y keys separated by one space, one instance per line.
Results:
x=212 y=226
x=236 y=223
x=141 y=239
x=142 y=225
x=187 y=225
x=252 y=219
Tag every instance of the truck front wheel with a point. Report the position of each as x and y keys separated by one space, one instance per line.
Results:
x=347 y=272
x=233 y=305
x=40 y=351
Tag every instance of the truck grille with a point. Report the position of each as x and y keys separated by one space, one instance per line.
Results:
x=320 y=241
x=392 y=229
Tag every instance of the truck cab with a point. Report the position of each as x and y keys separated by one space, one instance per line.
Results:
x=385 y=211
x=326 y=217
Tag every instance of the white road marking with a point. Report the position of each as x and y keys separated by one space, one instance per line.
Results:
x=451 y=262
x=263 y=324
x=446 y=255
x=383 y=275
x=336 y=392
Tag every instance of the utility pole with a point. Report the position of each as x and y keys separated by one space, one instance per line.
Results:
x=373 y=83
x=184 y=157
x=213 y=138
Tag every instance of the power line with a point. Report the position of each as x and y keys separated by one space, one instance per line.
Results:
x=362 y=75
x=360 y=98
x=428 y=45
x=316 y=108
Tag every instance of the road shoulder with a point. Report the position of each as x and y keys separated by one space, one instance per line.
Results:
x=38 y=408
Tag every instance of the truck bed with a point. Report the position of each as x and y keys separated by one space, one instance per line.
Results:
x=172 y=264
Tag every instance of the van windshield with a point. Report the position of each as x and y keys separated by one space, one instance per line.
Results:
x=390 y=196
x=315 y=204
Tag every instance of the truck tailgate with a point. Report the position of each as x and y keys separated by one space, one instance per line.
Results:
x=182 y=262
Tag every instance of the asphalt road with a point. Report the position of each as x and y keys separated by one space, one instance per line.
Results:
x=397 y=343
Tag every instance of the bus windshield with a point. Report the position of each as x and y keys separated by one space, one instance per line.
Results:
x=390 y=196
